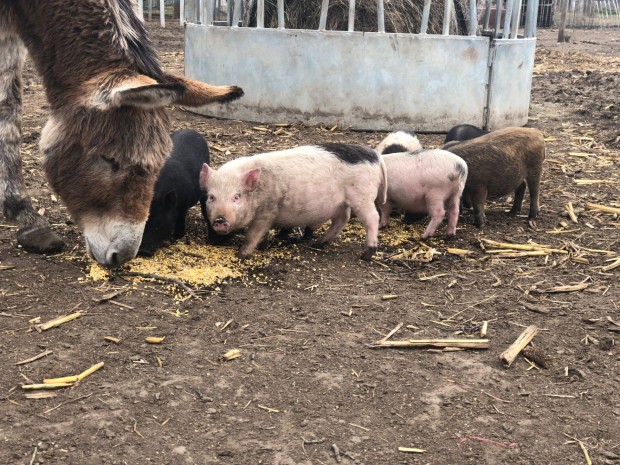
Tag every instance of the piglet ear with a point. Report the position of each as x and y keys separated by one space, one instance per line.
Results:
x=205 y=173
x=251 y=179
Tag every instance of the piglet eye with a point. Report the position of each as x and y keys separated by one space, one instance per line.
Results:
x=237 y=196
x=210 y=198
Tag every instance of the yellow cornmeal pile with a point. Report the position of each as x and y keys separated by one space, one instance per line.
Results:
x=198 y=265
x=202 y=265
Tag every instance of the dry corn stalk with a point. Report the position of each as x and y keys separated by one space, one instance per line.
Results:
x=571 y=212
x=155 y=339
x=40 y=395
x=602 y=208
x=74 y=378
x=411 y=450
x=459 y=252
x=570 y=288
x=231 y=355
x=58 y=321
x=508 y=356
x=615 y=263
x=46 y=386
x=462 y=343
x=526 y=247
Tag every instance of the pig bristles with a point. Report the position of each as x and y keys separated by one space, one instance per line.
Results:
x=508 y=356
x=443 y=343
x=166 y=279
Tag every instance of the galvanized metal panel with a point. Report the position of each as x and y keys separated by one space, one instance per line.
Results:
x=359 y=80
x=510 y=82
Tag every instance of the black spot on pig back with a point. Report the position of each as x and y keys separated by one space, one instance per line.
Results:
x=464 y=132
x=177 y=190
x=394 y=148
x=351 y=153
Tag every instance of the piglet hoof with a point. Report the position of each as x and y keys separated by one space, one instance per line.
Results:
x=39 y=240
x=450 y=237
x=532 y=216
x=368 y=253
x=320 y=245
x=243 y=255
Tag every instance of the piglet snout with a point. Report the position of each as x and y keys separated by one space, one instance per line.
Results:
x=221 y=225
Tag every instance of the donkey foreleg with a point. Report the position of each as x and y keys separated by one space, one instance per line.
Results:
x=34 y=233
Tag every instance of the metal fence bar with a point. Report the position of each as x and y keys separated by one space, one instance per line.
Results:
x=199 y=9
x=182 y=12
x=351 y=26
x=162 y=13
x=229 y=12
x=447 y=5
x=473 y=18
x=260 y=14
x=380 y=16
x=425 y=14
x=236 y=13
x=207 y=13
x=498 y=16
x=516 y=19
x=507 y=16
x=281 y=24
x=487 y=15
x=535 y=17
x=150 y=10
x=528 y=19
x=323 y=18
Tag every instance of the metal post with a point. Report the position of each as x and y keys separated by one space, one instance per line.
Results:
x=473 y=18
x=351 y=26
x=562 y=25
x=150 y=10
x=498 y=16
x=236 y=13
x=182 y=12
x=380 y=16
x=229 y=12
x=260 y=14
x=425 y=13
x=162 y=13
x=207 y=13
x=487 y=15
x=507 y=16
x=281 y=24
x=447 y=10
x=199 y=10
x=527 y=30
x=323 y=18
x=516 y=19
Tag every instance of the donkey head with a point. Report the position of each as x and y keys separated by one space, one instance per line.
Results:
x=104 y=151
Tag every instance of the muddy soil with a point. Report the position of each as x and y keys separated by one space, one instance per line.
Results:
x=306 y=388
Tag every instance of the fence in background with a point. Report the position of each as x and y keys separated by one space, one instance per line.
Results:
x=368 y=80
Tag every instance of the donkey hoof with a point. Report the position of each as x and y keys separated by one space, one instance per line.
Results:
x=39 y=240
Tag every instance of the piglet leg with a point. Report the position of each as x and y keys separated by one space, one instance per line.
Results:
x=437 y=213
x=533 y=184
x=254 y=235
x=453 y=215
x=339 y=221
x=369 y=217
x=516 y=205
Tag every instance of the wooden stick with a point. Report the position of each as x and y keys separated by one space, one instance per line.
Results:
x=463 y=343
x=508 y=356
x=603 y=208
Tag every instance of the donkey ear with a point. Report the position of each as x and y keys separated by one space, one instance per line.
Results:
x=199 y=93
x=136 y=91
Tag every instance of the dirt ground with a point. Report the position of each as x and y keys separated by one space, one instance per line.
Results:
x=306 y=384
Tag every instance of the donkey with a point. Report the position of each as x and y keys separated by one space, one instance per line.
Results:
x=107 y=135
